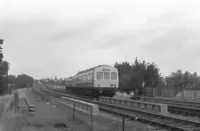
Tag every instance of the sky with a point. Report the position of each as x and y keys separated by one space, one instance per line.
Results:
x=48 y=38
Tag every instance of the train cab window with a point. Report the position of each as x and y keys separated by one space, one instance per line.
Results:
x=106 y=75
x=113 y=76
x=99 y=75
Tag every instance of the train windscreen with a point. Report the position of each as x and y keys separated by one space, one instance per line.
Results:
x=106 y=75
x=99 y=75
x=113 y=76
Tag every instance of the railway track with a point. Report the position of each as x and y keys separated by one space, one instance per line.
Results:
x=179 y=107
x=176 y=107
x=169 y=122
x=185 y=103
x=184 y=111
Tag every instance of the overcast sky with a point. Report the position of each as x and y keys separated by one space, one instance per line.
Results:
x=47 y=38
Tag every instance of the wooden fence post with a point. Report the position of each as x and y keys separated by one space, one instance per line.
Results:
x=91 y=118
x=123 y=123
x=74 y=111
x=16 y=101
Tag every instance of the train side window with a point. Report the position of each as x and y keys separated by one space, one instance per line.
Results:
x=106 y=75
x=90 y=76
x=84 y=77
x=81 y=77
x=113 y=76
x=99 y=75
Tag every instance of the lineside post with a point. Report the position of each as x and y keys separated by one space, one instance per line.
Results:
x=123 y=123
x=91 y=119
x=16 y=101
x=74 y=111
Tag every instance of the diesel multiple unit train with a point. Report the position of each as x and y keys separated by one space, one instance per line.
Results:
x=98 y=81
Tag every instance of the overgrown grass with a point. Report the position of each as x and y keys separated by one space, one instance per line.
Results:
x=20 y=123
x=5 y=112
x=11 y=121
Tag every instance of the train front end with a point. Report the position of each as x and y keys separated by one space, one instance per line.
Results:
x=106 y=80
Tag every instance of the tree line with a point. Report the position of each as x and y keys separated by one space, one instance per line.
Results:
x=141 y=74
x=21 y=81
x=181 y=80
x=138 y=75
x=12 y=82
x=53 y=81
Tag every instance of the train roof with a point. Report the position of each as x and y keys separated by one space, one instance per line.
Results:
x=69 y=78
x=90 y=69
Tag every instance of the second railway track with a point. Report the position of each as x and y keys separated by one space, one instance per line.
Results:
x=178 y=107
